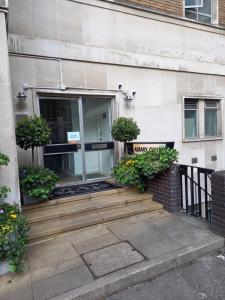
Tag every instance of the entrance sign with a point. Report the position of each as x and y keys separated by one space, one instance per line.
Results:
x=73 y=137
x=141 y=147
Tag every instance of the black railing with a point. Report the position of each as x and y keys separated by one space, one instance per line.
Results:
x=196 y=198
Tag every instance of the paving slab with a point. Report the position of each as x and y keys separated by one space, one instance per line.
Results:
x=112 y=258
x=160 y=247
x=83 y=235
x=52 y=252
x=52 y=270
x=60 y=283
x=96 y=243
x=138 y=234
x=16 y=287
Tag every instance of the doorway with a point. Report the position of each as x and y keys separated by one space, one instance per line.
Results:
x=81 y=147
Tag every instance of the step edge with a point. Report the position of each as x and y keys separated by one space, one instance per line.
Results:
x=100 y=221
x=74 y=198
x=91 y=210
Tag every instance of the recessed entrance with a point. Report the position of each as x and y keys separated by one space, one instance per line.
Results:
x=81 y=148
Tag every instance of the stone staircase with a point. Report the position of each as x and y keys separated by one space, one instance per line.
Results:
x=56 y=217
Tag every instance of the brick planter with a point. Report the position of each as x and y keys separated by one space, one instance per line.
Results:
x=166 y=189
x=218 y=202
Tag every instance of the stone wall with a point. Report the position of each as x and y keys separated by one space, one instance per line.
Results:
x=166 y=189
x=8 y=174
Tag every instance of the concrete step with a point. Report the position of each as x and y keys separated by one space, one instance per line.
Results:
x=79 y=207
x=50 y=203
x=51 y=227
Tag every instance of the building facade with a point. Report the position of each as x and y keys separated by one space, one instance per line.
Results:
x=81 y=64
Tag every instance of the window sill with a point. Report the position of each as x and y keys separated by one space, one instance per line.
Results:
x=202 y=140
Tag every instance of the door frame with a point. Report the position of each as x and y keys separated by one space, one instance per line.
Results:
x=79 y=98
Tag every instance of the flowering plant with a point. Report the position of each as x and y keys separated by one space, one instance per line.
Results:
x=138 y=169
x=13 y=236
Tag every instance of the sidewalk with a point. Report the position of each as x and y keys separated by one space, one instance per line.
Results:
x=99 y=261
x=202 y=279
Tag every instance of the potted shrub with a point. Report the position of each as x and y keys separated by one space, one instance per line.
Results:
x=125 y=130
x=32 y=132
x=13 y=231
x=37 y=184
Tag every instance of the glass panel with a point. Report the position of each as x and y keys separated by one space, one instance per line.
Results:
x=193 y=3
x=211 y=104
x=190 y=104
x=206 y=8
x=190 y=124
x=211 y=123
x=97 y=126
x=190 y=14
x=62 y=115
x=97 y=120
x=204 y=19
x=99 y=163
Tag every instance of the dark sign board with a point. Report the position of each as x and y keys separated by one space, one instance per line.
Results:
x=99 y=146
x=60 y=149
x=140 y=147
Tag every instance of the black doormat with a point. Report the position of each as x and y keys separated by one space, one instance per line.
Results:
x=86 y=188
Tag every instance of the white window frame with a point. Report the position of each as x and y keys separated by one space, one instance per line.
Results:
x=213 y=16
x=201 y=118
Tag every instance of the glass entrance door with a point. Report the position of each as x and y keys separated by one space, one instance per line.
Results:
x=97 y=137
x=80 y=139
x=62 y=115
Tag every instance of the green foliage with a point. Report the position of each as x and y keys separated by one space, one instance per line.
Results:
x=4 y=190
x=37 y=182
x=125 y=129
x=13 y=236
x=138 y=169
x=4 y=160
x=32 y=132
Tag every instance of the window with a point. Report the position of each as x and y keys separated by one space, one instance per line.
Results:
x=199 y=10
x=211 y=118
x=202 y=119
x=190 y=117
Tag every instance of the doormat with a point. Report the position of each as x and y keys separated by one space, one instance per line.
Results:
x=86 y=188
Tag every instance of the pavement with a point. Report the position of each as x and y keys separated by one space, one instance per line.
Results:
x=202 y=279
x=96 y=262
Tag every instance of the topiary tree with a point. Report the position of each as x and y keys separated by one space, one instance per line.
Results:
x=125 y=130
x=32 y=132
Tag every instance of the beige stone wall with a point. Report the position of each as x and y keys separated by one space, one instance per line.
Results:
x=8 y=174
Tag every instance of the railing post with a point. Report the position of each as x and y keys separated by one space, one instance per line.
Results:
x=218 y=202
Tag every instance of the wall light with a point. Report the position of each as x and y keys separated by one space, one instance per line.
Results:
x=22 y=96
x=127 y=97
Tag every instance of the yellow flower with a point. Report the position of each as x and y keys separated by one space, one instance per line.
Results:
x=13 y=216
x=5 y=228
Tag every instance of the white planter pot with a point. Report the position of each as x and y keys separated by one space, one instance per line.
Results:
x=4 y=267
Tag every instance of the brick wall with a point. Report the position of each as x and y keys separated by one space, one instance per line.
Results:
x=166 y=189
x=174 y=7
x=221 y=12
x=218 y=202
